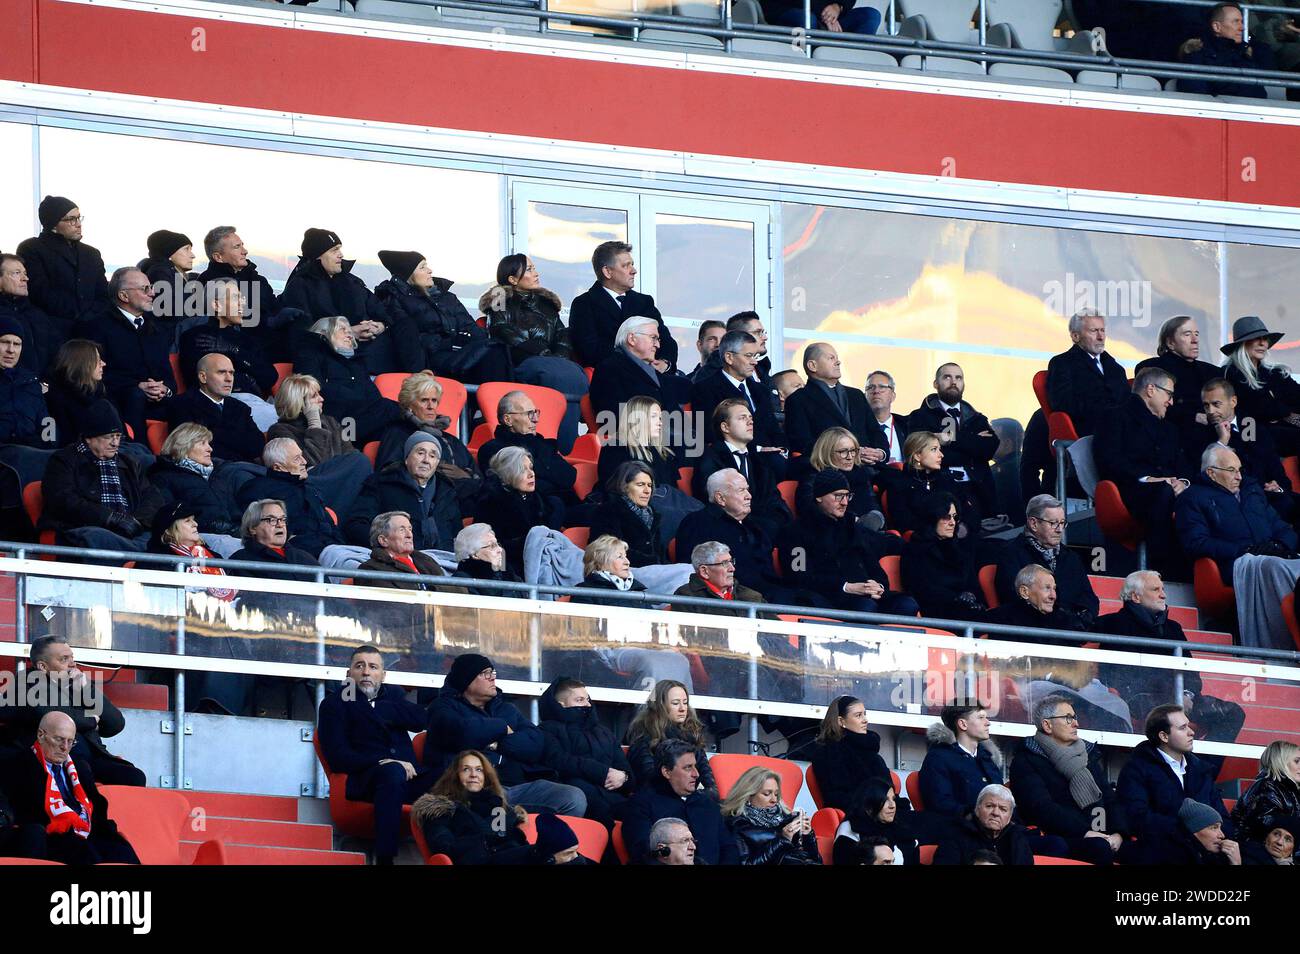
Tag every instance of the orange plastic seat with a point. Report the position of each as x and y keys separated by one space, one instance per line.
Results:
x=1048 y=860
x=586 y=478
x=825 y=821
x=175 y=360
x=154 y=821
x=913 y=786
x=892 y=565
x=728 y=767
x=927 y=853
x=1292 y=467
x=586 y=447
x=1040 y=390
x=1114 y=519
x=684 y=477
x=580 y=536
x=810 y=779
x=155 y=433
x=34 y=504
x=620 y=848
x=787 y=490
x=1214 y=599
x=390 y=384
x=371 y=450
x=348 y=817
x=551 y=405
x=988 y=576
x=282 y=370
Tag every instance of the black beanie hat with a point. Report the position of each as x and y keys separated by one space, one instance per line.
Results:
x=553 y=835
x=53 y=208
x=828 y=481
x=165 y=517
x=100 y=419
x=163 y=245
x=316 y=242
x=400 y=264
x=11 y=326
x=464 y=669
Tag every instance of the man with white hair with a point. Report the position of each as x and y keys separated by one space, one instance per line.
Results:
x=630 y=371
x=714 y=577
x=733 y=447
x=1035 y=606
x=988 y=828
x=1085 y=382
x=311 y=527
x=224 y=333
x=1144 y=612
x=234 y=434
x=670 y=843
x=1041 y=544
x=480 y=557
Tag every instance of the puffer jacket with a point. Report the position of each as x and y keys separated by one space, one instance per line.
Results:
x=438 y=316
x=765 y=846
x=465 y=831
x=528 y=322
x=1267 y=801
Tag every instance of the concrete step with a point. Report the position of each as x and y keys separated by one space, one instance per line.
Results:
x=255 y=855
x=273 y=834
x=248 y=807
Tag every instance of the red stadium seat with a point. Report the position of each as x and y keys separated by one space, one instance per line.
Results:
x=550 y=403
x=482 y=434
x=1292 y=465
x=589 y=416
x=898 y=784
x=1060 y=427
x=1213 y=599
x=282 y=370
x=586 y=447
x=787 y=489
x=892 y=565
x=728 y=767
x=371 y=450
x=826 y=820
x=913 y=786
x=580 y=536
x=810 y=779
x=1288 y=614
x=826 y=849
x=620 y=849
x=588 y=475
x=988 y=574
x=927 y=853
x=348 y=817
x=154 y=821
x=1115 y=521
x=684 y=477
x=34 y=504
x=593 y=837
x=1040 y=391
x=417 y=745
x=454 y=398
x=28 y=861
x=175 y=360
x=1049 y=860
x=155 y=433
x=390 y=384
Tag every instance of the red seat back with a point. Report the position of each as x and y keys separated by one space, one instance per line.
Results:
x=620 y=849
x=810 y=779
x=892 y=565
x=1288 y=614
x=787 y=489
x=151 y=819
x=1113 y=518
x=580 y=536
x=550 y=404
x=282 y=370
x=988 y=576
x=913 y=786
x=593 y=837
x=1040 y=391
x=728 y=767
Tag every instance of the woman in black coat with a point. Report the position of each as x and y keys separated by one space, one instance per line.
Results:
x=938 y=572
x=924 y=476
x=76 y=382
x=847 y=754
x=183 y=471
x=766 y=831
x=626 y=513
x=480 y=557
x=585 y=753
x=328 y=354
x=454 y=345
x=1274 y=795
x=466 y=816
x=510 y=503
x=667 y=714
x=1266 y=392
x=876 y=813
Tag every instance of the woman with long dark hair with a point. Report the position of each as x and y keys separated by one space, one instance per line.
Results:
x=876 y=812
x=667 y=714
x=467 y=817
x=76 y=382
x=847 y=753
x=939 y=572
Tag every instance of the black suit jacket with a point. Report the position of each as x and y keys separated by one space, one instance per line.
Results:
x=1259 y=457
x=1133 y=443
x=768 y=509
x=594 y=318
x=234 y=435
x=618 y=378
x=810 y=410
x=708 y=393
x=1075 y=388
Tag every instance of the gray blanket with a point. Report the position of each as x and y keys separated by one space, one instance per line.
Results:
x=1260 y=583
x=552 y=559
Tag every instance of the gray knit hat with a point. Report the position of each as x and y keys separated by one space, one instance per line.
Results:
x=1196 y=816
x=419 y=437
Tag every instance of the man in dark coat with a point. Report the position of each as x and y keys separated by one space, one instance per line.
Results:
x=989 y=827
x=471 y=713
x=583 y=752
x=965 y=435
x=53 y=676
x=1178 y=353
x=265 y=320
x=265 y=532
x=1041 y=544
x=518 y=428
x=364 y=731
x=322 y=285
x=413 y=487
x=1086 y=382
x=310 y=526
x=675 y=794
x=96 y=497
x=23 y=414
x=66 y=276
x=1144 y=612
x=1061 y=785
x=1221 y=44
x=1161 y=772
x=734 y=447
x=1035 y=607
x=1137 y=447
x=829 y=553
x=827 y=402
x=735 y=380
x=136 y=350
x=43 y=334
x=632 y=370
x=959 y=761
x=47 y=788
x=234 y=435
x=594 y=316
x=224 y=333
x=1225 y=515
x=1197 y=838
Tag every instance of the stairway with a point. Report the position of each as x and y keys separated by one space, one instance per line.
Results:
x=261 y=830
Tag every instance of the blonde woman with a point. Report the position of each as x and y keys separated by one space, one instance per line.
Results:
x=300 y=409
x=183 y=471
x=837 y=448
x=766 y=831
x=641 y=439
x=1266 y=392
x=924 y=476
x=1274 y=795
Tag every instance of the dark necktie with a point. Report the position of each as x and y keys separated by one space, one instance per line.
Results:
x=742 y=463
x=744 y=392
x=622 y=301
x=1100 y=369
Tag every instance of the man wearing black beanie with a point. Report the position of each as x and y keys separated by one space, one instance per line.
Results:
x=471 y=713
x=66 y=277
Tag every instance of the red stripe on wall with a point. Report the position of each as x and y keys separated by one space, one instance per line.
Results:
x=557 y=98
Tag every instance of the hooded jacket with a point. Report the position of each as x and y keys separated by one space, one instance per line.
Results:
x=527 y=322
x=951 y=779
x=470 y=832
x=578 y=747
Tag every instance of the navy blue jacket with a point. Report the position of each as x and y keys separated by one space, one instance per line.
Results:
x=1150 y=796
x=354 y=735
x=1223 y=52
x=579 y=748
x=1211 y=522
x=310 y=526
x=951 y=780
x=42 y=334
x=22 y=408
x=714 y=842
x=393 y=488
x=131 y=356
x=455 y=725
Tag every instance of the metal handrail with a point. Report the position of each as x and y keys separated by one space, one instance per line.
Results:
x=888 y=44
x=532 y=590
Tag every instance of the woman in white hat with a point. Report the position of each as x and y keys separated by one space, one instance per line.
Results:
x=1266 y=392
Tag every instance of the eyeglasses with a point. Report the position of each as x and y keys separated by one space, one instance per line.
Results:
x=727 y=562
x=880 y=387
x=1227 y=470
x=1070 y=719
x=73 y=219
x=1053 y=524
x=531 y=415
x=749 y=355
x=845 y=495
x=488 y=673
x=275 y=521
x=1168 y=391
x=948 y=518
x=846 y=452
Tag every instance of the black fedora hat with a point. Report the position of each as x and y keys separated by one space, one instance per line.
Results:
x=1248 y=329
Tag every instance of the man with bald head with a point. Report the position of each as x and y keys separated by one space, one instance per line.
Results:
x=234 y=435
x=1225 y=515
x=827 y=402
x=47 y=789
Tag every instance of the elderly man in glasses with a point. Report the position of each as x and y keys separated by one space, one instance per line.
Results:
x=518 y=417
x=1041 y=545
x=66 y=276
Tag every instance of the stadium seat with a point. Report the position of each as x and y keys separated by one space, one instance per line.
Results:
x=388 y=9
x=1040 y=391
x=439 y=860
x=940 y=64
x=580 y=536
x=988 y=574
x=586 y=447
x=1292 y=467
x=34 y=504
x=282 y=370
x=549 y=402
x=897 y=782
x=913 y=785
x=154 y=821
x=589 y=416
x=348 y=817
x=29 y=861
x=788 y=489
x=1213 y=599
x=944 y=19
x=684 y=477
x=592 y=835
x=728 y=767
x=620 y=849
x=1100 y=78
x=848 y=55
x=746 y=12
x=586 y=479
x=678 y=38
x=371 y=450
x=175 y=360
x=1288 y=614
x=826 y=849
x=482 y=434
x=1032 y=20
x=1116 y=523
x=390 y=384
x=810 y=779
x=1060 y=427
x=1085 y=468
x=454 y=398
x=779 y=48
x=156 y=433
x=1049 y=860
x=927 y=853
x=1040 y=74
x=892 y=565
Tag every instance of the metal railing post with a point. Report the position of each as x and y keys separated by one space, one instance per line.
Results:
x=753 y=686
x=893 y=19
x=534 y=652
x=971 y=680
x=1178 y=677
x=20 y=603
x=318 y=774
x=543 y=24
x=1061 y=460
x=178 y=710
x=982 y=16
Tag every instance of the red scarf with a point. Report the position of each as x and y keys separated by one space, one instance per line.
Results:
x=62 y=818
x=199 y=551
x=721 y=594
x=405 y=561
